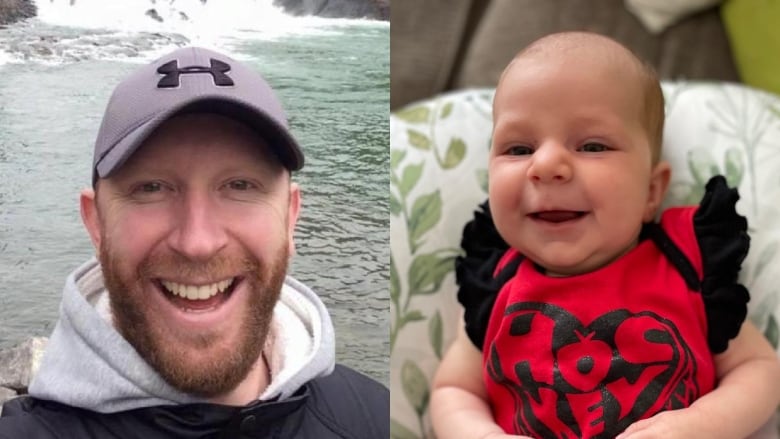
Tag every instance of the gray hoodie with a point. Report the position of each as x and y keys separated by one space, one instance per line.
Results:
x=88 y=364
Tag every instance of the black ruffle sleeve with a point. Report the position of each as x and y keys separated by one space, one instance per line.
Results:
x=723 y=242
x=477 y=286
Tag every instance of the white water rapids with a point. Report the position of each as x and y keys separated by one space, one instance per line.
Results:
x=141 y=30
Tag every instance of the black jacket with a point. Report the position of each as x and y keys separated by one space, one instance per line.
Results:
x=342 y=405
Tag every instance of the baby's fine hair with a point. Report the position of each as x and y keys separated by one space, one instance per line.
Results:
x=652 y=111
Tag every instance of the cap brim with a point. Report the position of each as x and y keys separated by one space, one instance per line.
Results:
x=278 y=138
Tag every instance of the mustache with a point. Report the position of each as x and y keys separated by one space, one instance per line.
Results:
x=177 y=266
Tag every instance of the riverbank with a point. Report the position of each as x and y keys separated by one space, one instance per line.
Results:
x=373 y=9
x=12 y=11
x=17 y=367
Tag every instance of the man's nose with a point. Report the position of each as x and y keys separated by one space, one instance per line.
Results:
x=199 y=235
x=551 y=163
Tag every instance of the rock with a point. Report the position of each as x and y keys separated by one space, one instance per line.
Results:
x=12 y=11
x=19 y=363
x=5 y=395
x=374 y=9
x=42 y=50
x=153 y=14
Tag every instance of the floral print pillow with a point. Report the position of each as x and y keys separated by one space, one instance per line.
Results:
x=438 y=157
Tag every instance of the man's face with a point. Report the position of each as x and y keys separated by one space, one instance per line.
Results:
x=194 y=233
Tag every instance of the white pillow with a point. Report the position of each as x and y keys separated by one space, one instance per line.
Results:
x=657 y=15
x=439 y=151
x=734 y=130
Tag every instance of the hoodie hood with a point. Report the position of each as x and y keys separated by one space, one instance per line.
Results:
x=88 y=364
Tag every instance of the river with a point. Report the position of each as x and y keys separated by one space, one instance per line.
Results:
x=332 y=76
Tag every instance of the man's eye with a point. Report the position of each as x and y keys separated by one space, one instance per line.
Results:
x=240 y=185
x=151 y=186
x=519 y=150
x=593 y=147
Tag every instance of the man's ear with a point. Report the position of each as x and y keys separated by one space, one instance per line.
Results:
x=659 y=183
x=292 y=215
x=89 y=216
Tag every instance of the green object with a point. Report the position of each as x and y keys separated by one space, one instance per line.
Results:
x=753 y=28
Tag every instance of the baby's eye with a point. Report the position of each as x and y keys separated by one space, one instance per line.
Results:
x=519 y=150
x=593 y=147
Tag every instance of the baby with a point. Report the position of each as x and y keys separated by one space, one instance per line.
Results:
x=597 y=322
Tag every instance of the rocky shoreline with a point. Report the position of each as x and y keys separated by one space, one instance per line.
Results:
x=17 y=367
x=14 y=10
x=374 y=9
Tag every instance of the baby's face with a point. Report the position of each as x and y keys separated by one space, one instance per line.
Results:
x=570 y=164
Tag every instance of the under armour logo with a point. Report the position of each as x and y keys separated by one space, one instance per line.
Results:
x=172 y=71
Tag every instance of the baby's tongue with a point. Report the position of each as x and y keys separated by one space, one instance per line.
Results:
x=558 y=216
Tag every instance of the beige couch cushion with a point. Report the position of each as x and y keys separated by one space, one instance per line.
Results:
x=425 y=37
x=696 y=48
x=439 y=45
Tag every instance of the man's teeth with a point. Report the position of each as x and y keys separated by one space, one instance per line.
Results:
x=194 y=292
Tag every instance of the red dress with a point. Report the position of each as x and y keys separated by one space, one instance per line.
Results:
x=586 y=356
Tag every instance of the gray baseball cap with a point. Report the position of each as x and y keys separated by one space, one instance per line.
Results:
x=188 y=80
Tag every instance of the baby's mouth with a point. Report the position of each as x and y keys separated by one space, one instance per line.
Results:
x=557 y=216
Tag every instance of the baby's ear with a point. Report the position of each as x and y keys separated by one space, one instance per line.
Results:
x=659 y=183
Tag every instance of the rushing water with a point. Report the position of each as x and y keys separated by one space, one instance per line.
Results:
x=333 y=78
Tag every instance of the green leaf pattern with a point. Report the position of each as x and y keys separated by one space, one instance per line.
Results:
x=396 y=156
x=427 y=273
x=417 y=114
x=410 y=177
x=455 y=153
x=395 y=283
x=446 y=110
x=413 y=316
x=435 y=333
x=771 y=332
x=415 y=386
x=398 y=431
x=419 y=140
x=426 y=212
x=482 y=179
x=734 y=167
x=395 y=206
x=419 y=209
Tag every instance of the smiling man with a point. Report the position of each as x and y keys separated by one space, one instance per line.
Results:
x=186 y=324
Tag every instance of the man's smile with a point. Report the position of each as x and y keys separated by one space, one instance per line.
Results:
x=198 y=298
x=196 y=292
